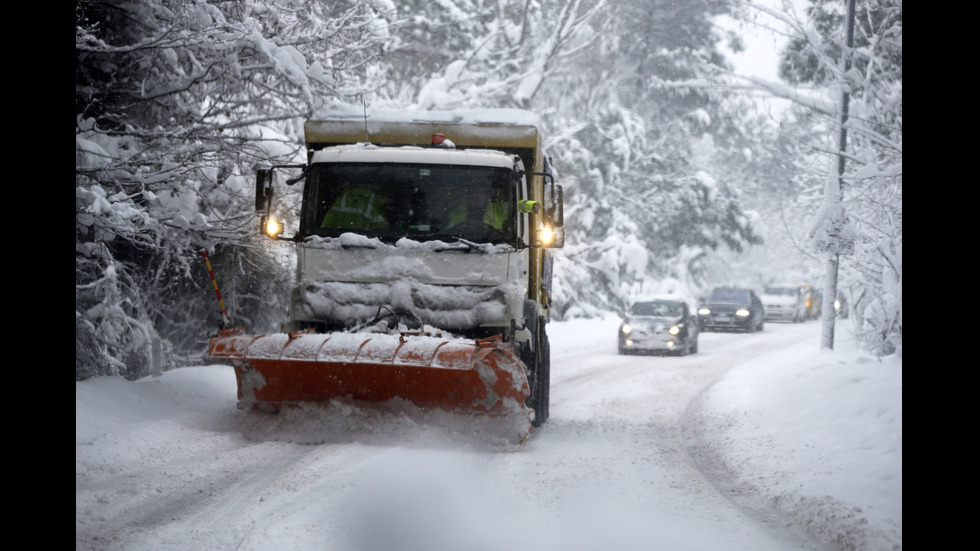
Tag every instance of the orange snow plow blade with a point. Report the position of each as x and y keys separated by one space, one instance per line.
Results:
x=273 y=371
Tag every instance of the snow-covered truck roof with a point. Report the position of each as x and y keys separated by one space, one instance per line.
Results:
x=367 y=153
x=513 y=131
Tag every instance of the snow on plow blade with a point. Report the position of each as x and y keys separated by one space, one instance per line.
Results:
x=481 y=377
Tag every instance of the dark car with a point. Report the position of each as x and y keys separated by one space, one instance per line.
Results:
x=732 y=309
x=659 y=326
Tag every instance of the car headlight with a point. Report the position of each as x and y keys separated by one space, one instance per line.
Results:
x=674 y=329
x=742 y=312
x=704 y=311
x=626 y=329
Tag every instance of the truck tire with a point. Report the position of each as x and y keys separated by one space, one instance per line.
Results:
x=541 y=409
x=535 y=358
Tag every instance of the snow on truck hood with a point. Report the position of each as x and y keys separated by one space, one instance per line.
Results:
x=446 y=288
x=355 y=258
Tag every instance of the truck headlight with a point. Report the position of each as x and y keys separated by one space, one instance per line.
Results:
x=545 y=235
x=271 y=227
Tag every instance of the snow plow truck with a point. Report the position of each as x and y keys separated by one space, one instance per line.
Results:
x=423 y=268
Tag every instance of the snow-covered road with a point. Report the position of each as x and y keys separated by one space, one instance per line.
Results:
x=171 y=464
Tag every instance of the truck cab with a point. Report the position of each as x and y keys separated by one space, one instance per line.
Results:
x=444 y=224
x=398 y=228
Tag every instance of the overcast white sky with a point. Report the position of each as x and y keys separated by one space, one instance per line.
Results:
x=761 y=56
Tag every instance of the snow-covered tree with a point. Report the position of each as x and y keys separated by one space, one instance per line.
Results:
x=860 y=218
x=852 y=197
x=629 y=149
x=176 y=103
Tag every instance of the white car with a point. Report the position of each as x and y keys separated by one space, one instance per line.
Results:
x=784 y=303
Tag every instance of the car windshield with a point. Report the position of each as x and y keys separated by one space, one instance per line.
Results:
x=781 y=291
x=657 y=308
x=729 y=295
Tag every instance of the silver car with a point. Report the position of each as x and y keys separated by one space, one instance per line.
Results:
x=659 y=326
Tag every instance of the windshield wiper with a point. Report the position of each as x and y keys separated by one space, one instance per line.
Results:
x=457 y=243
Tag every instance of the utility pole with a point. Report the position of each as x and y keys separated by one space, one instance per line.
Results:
x=835 y=190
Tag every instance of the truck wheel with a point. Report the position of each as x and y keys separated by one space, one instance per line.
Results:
x=535 y=358
x=542 y=408
x=528 y=352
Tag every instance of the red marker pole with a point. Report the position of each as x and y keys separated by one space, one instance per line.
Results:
x=216 y=291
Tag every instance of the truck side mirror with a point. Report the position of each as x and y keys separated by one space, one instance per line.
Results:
x=559 y=214
x=558 y=218
x=559 y=239
x=263 y=189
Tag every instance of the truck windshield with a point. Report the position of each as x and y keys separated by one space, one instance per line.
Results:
x=421 y=202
